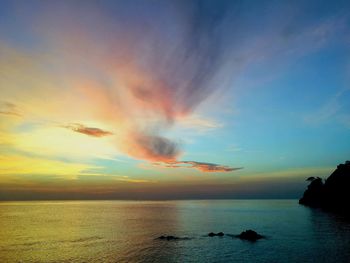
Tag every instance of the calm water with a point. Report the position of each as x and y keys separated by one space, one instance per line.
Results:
x=124 y=231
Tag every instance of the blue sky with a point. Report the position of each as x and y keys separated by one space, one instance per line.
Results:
x=171 y=99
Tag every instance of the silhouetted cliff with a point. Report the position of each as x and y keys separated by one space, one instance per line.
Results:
x=333 y=195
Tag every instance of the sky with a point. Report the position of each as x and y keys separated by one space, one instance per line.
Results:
x=171 y=99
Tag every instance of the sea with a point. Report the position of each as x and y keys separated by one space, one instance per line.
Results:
x=127 y=231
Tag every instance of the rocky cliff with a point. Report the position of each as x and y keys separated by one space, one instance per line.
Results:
x=333 y=194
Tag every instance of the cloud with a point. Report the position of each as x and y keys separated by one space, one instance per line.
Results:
x=131 y=180
x=333 y=108
x=199 y=123
x=140 y=68
x=146 y=80
x=210 y=167
x=234 y=148
x=30 y=165
x=201 y=166
x=90 y=131
x=151 y=147
x=8 y=108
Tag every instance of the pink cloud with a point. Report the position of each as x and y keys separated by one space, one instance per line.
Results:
x=90 y=131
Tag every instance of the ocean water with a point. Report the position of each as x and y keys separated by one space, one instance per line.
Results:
x=125 y=231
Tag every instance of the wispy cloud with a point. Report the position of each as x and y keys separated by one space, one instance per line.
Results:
x=140 y=93
x=132 y=180
x=27 y=165
x=234 y=148
x=8 y=108
x=201 y=166
x=199 y=123
x=331 y=109
x=147 y=69
x=90 y=131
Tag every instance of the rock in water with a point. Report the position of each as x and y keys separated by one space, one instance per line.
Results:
x=220 y=234
x=250 y=235
x=314 y=194
x=333 y=195
x=168 y=238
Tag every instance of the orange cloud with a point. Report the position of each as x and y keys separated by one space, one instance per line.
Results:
x=151 y=147
x=91 y=131
x=137 y=85
x=202 y=166
x=210 y=167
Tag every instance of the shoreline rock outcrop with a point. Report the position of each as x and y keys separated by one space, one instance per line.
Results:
x=333 y=194
x=170 y=238
x=220 y=234
x=250 y=235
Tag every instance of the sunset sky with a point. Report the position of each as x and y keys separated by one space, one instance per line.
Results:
x=171 y=99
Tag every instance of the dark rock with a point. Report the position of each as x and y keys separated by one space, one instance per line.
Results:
x=310 y=179
x=168 y=238
x=333 y=195
x=250 y=235
x=314 y=193
x=220 y=234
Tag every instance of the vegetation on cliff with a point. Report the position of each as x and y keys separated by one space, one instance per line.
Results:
x=333 y=194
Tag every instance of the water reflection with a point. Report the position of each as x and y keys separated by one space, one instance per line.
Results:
x=149 y=221
x=331 y=233
x=88 y=231
x=119 y=231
